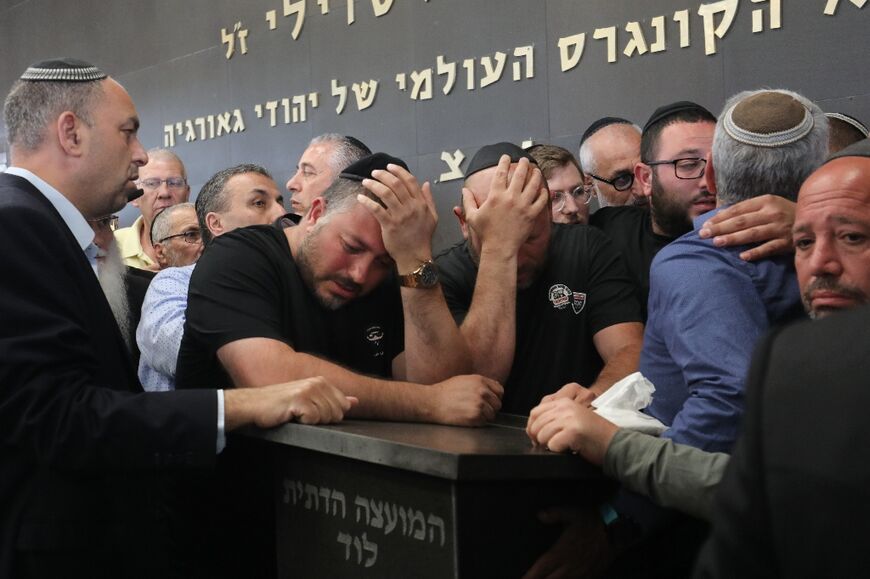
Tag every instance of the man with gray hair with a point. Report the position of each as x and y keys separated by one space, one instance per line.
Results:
x=176 y=236
x=707 y=307
x=321 y=162
x=238 y=196
x=322 y=298
x=163 y=182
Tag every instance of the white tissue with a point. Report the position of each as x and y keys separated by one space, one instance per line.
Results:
x=623 y=402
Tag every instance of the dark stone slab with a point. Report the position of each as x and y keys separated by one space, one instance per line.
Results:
x=496 y=451
x=383 y=499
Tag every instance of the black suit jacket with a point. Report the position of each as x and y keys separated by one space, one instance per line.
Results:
x=80 y=443
x=795 y=500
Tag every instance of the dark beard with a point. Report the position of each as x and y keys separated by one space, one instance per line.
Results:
x=306 y=258
x=672 y=218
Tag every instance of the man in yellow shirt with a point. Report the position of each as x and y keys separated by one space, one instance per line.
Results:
x=164 y=183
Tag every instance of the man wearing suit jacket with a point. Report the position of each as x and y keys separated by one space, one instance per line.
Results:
x=80 y=443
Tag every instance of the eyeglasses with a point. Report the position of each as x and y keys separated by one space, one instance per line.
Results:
x=110 y=221
x=171 y=183
x=686 y=168
x=580 y=194
x=192 y=236
x=621 y=181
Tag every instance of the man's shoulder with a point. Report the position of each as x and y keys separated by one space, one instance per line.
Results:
x=612 y=217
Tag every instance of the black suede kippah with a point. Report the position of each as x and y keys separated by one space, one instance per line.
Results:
x=850 y=120
x=600 y=124
x=63 y=70
x=358 y=144
x=666 y=111
x=859 y=149
x=488 y=156
x=363 y=168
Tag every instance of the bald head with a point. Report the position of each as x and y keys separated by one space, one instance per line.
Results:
x=832 y=236
x=610 y=154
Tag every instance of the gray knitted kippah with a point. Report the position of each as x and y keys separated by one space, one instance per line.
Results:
x=768 y=119
x=63 y=70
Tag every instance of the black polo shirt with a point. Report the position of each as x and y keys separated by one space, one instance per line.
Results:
x=583 y=288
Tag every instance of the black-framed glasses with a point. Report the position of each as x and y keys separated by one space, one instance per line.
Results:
x=171 y=183
x=621 y=181
x=580 y=194
x=685 y=168
x=192 y=236
x=110 y=221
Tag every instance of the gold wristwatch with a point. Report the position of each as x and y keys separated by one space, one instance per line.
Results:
x=425 y=276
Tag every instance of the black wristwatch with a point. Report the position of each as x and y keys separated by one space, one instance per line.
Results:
x=425 y=276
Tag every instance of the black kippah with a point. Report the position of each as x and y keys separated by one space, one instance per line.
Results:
x=666 y=111
x=488 y=156
x=63 y=70
x=851 y=121
x=363 y=168
x=859 y=149
x=600 y=124
x=358 y=144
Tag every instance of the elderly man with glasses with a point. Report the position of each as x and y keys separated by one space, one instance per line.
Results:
x=569 y=195
x=609 y=150
x=176 y=236
x=164 y=184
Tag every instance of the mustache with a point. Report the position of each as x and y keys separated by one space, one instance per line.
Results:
x=347 y=283
x=832 y=285
x=704 y=196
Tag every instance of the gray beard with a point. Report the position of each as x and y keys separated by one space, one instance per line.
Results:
x=111 y=275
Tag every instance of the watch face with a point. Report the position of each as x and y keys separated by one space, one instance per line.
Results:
x=428 y=275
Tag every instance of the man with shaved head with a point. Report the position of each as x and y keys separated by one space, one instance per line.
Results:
x=609 y=150
x=542 y=305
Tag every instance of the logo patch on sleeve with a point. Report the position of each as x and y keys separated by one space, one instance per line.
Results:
x=561 y=296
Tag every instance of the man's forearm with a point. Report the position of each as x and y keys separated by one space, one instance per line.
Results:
x=620 y=365
x=271 y=362
x=434 y=347
x=490 y=326
x=673 y=475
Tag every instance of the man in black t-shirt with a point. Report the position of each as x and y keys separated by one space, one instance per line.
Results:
x=320 y=299
x=675 y=145
x=542 y=306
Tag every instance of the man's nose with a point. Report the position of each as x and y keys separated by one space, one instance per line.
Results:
x=293 y=184
x=824 y=259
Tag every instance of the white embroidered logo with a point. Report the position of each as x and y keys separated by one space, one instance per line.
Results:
x=374 y=335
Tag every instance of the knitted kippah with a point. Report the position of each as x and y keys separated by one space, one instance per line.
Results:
x=63 y=70
x=768 y=119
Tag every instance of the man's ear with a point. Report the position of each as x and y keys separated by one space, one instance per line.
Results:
x=643 y=175
x=589 y=183
x=69 y=133
x=457 y=211
x=160 y=253
x=213 y=222
x=710 y=175
x=314 y=213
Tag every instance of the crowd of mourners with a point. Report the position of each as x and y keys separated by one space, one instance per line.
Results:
x=701 y=249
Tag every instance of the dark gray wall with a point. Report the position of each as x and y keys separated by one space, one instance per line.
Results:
x=169 y=55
